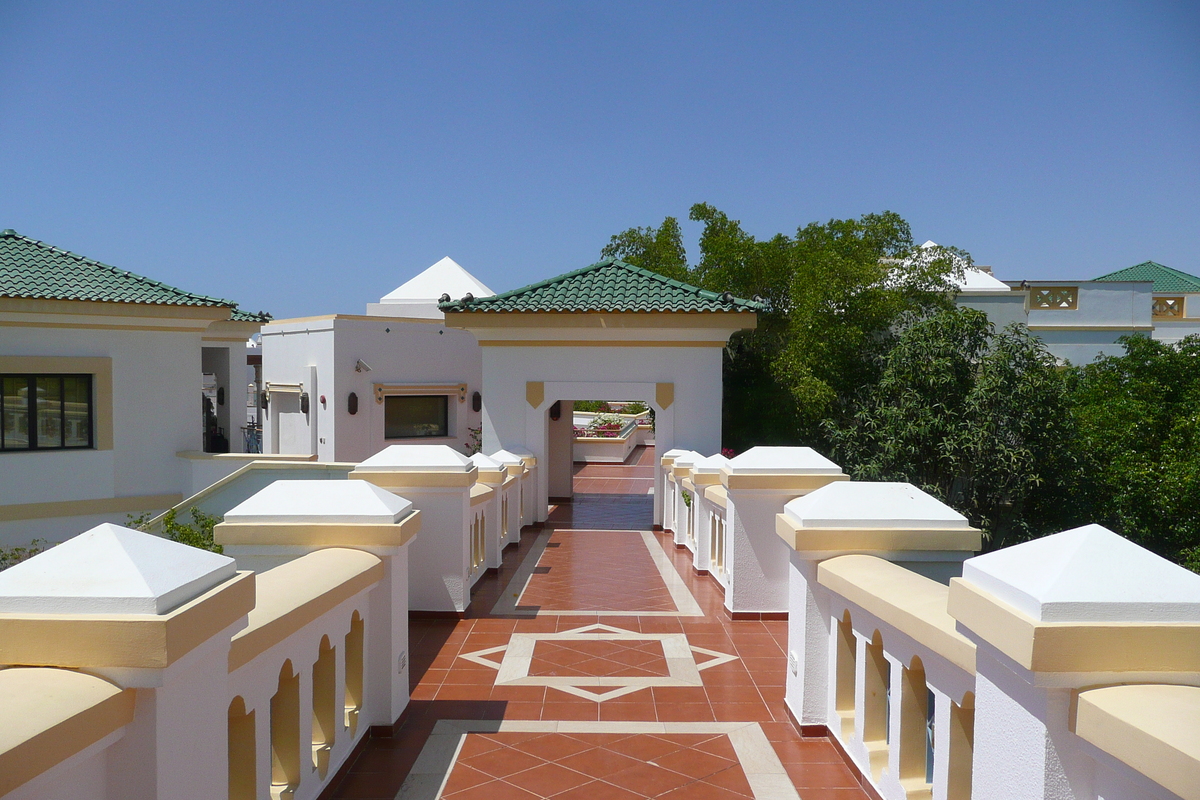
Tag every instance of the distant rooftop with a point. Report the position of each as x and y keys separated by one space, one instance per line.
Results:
x=444 y=277
x=610 y=285
x=35 y=270
x=1164 y=278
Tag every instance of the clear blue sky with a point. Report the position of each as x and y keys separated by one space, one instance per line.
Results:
x=308 y=158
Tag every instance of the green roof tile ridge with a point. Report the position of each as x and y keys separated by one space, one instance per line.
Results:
x=1147 y=268
x=487 y=303
x=198 y=299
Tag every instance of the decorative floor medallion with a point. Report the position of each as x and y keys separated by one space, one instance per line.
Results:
x=598 y=662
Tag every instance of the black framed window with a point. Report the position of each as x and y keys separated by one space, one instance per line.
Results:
x=415 y=416
x=46 y=412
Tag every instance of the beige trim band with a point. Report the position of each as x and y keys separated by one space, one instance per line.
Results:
x=1075 y=646
x=95 y=308
x=98 y=327
x=593 y=343
x=81 y=508
x=717 y=495
x=603 y=319
x=50 y=715
x=905 y=600
x=1089 y=327
x=883 y=540
x=383 y=390
x=705 y=478
x=99 y=367
x=803 y=484
x=298 y=592
x=481 y=493
x=492 y=477
x=143 y=641
x=319 y=534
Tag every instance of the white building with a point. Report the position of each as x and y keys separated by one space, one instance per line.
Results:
x=1081 y=320
x=342 y=387
x=115 y=362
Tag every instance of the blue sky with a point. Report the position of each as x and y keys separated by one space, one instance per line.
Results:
x=307 y=158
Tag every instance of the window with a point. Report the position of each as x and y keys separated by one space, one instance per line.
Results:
x=1167 y=307
x=415 y=416
x=46 y=412
x=1064 y=298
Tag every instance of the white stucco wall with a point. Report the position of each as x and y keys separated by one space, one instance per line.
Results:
x=156 y=413
x=693 y=420
x=397 y=352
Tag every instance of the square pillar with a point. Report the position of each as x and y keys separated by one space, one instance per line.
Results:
x=759 y=482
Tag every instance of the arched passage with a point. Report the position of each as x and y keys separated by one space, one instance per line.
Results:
x=608 y=331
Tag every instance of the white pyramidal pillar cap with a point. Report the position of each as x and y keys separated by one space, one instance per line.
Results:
x=674 y=452
x=487 y=462
x=506 y=458
x=112 y=570
x=782 y=461
x=709 y=465
x=352 y=502
x=853 y=504
x=687 y=458
x=418 y=458
x=1087 y=574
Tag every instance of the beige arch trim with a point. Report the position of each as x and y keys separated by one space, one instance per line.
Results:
x=50 y=715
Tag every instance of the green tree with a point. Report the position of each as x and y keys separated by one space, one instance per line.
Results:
x=658 y=249
x=834 y=293
x=1138 y=418
x=198 y=532
x=972 y=416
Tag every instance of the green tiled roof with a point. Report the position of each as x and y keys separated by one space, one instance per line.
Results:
x=250 y=316
x=36 y=270
x=611 y=286
x=1164 y=278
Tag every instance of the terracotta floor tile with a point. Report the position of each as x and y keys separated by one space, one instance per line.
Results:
x=648 y=779
x=548 y=780
x=833 y=776
x=598 y=790
x=599 y=762
x=600 y=526
x=501 y=762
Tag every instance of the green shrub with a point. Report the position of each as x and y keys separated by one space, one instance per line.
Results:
x=196 y=533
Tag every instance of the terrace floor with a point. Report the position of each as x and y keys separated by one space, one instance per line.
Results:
x=596 y=664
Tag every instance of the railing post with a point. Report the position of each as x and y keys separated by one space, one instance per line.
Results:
x=685 y=491
x=438 y=480
x=289 y=519
x=666 y=488
x=145 y=613
x=895 y=521
x=759 y=482
x=1050 y=617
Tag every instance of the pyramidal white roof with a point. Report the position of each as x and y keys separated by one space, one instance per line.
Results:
x=321 y=501
x=1088 y=574
x=444 y=277
x=419 y=458
x=782 y=460
x=851 y=504
x=112 y=570
x=687 y=458
x=974 y=280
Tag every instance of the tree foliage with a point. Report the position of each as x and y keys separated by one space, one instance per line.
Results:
x=973 y=416
x=1138 y=418
x=834 y=292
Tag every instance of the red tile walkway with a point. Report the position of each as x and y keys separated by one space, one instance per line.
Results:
x=689 y=701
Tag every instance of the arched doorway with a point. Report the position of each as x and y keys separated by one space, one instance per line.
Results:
x=612 y=331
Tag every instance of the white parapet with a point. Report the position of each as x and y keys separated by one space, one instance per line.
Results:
x=144 y=613
x=512 y=499
x=440 y=482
